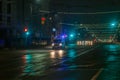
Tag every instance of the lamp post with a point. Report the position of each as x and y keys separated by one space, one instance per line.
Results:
x=54 y=32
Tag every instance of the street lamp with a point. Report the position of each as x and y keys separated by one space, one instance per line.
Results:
x=53 y=29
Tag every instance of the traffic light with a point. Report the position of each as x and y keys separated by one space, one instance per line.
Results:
x=25 y=29
x=27 y=33
x=71 y=35
x=43 y=19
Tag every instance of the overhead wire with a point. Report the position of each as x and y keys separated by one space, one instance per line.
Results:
x=101 y=12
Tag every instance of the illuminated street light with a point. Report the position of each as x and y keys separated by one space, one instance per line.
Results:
x=50 y=18
x=53 y=29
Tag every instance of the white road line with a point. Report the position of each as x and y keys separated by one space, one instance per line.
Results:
x=97 y=74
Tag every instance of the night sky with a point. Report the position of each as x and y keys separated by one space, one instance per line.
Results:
x=88 y=6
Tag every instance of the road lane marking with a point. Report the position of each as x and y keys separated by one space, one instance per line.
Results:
x=97 y=74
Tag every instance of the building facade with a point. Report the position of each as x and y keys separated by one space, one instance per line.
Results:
x=7 y=21
x=15 y=15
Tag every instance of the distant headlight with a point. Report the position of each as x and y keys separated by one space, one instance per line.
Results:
x=53 y=44
x=60 y=44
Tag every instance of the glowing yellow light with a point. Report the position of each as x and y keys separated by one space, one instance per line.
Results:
x=52 y=54
x=78 y=43
x=60 y=53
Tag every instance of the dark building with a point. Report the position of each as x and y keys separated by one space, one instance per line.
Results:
x=7 y=21
x=15 y=15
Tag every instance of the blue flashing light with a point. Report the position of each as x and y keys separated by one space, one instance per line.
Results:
x=63 y=36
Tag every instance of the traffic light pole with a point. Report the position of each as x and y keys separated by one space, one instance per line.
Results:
x=26 y=41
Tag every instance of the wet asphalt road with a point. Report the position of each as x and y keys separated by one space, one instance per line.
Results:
x=101 y=63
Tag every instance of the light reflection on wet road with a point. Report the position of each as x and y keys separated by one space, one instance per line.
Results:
x=39 y=63
x=112 y=63
x=60 y=64
x=32 y=63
